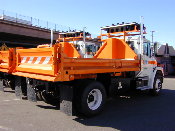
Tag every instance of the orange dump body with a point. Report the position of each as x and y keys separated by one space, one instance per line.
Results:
x=115 y=49
x=62 y=62
x=7 y=61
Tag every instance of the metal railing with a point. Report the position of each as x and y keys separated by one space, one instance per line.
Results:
x=31 y=21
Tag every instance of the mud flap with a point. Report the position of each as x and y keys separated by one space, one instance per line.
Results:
x=31 y=94
x=18 y=91
x=20 y=87
x=66 y=100
x=1 y=85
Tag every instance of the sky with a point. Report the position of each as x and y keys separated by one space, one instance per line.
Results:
x=159 y=15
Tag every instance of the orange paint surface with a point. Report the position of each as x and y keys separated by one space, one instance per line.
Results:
x=115 y=49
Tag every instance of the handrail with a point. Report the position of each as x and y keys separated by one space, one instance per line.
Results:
x=31 y=21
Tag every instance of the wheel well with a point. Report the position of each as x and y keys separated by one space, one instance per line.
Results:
x=105 y=79
x=159 y=72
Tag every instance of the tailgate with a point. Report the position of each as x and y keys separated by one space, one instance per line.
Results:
x=41 y=61
x=7 y=60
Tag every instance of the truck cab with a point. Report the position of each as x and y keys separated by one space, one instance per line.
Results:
x=133 y=35
x=85 y=45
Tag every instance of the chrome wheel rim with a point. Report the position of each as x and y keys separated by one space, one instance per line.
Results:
x=94 y=99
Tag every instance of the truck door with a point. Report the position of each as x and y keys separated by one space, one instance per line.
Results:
x=148 y=60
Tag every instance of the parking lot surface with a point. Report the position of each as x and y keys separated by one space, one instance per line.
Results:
x=134 y=112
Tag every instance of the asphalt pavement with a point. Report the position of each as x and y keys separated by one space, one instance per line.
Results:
x=133 y=112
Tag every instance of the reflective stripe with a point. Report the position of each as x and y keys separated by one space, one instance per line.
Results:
x=42 y=60
x=34 y=60
x=24 y=59
x=30 y=60
x=46 y=61
x=152 y=62
x=37 y=60
x=149 y=62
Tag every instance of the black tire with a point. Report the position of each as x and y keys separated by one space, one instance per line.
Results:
x=157 y=85
x=86 y=95
x=46 y=97
x=49 y=98
x=39 y=96
x=12 y=84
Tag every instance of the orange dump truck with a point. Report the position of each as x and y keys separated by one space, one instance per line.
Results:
x=63 y=73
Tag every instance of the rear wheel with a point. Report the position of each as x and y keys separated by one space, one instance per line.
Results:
x=45 y=97
x=92 y=99
x=157 y=85
x=39 y=96
x=12 y=84
x=50 y=98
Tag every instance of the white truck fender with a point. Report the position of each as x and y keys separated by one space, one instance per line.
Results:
x=152 y=76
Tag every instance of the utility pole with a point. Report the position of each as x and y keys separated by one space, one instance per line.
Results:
x=84 y=40
x=153 y=46
x=141 y=35
x=51 y=38
x=152 y=37
x=84 y=36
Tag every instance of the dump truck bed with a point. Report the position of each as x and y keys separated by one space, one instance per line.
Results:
x=56 y=64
